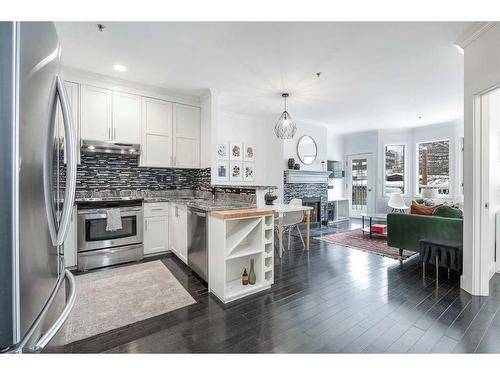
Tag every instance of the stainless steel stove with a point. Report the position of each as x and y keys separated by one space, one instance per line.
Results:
x=98 y=247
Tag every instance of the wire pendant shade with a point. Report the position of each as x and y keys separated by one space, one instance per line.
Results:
x=285 y=128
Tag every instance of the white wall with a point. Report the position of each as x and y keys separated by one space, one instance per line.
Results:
x=482 y=72
x=316 y=132
x=374 y=142
x=234 y=127
x=335 y=151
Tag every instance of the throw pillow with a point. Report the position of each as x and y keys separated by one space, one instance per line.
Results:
x=448 y=211
x=421 y=209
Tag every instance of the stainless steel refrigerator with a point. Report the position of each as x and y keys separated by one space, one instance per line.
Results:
x=37 y=191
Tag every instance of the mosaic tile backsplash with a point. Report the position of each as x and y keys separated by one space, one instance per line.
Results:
x=110 y=171
x=122 y=172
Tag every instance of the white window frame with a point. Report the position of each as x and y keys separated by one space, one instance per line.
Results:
x=405 y=176
x=417 y=155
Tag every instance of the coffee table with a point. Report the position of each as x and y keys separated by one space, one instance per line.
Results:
x=372 y=219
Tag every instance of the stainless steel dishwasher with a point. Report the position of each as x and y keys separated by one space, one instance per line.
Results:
x=197 y=242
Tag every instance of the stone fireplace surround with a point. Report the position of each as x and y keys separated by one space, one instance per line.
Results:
x=308 y=192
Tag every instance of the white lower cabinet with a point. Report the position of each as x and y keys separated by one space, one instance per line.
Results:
x=70 y=244
x=178 y=230
x=155 y=228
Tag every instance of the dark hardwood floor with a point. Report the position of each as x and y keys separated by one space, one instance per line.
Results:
x=331 y=299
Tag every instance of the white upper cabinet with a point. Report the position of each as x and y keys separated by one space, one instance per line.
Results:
x=126 y=118
x=96 y=113
x=186 y=135
x=156 y=133
x=169 y=133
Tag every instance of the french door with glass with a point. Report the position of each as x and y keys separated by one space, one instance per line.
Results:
x=359 y=184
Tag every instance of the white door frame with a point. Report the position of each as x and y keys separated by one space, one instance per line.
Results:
x=476 y=199
x=370 y=198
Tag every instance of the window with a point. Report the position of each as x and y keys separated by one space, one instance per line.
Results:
x=394 y=177
x=434 y=165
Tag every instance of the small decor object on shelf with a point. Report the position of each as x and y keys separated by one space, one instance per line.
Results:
x=270 y=197
x=244 y=278
x=251 y=276
x=291 y=163
x=236 y=151
x=249 y=154
x=222 y=171
x=236 y=172
x=223 y=151
x=248 y=172
x=296 y=166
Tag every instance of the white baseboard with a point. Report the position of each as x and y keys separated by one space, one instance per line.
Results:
x=464 y=284
x=492 y=270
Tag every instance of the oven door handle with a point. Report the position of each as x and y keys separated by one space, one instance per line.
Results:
x=94 y=253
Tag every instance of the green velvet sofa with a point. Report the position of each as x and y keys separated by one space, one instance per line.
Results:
x=404 y=231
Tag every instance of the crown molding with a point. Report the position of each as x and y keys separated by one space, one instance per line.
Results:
x=473 y=32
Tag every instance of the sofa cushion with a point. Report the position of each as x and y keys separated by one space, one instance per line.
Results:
x=447 y=211
x=421 y=209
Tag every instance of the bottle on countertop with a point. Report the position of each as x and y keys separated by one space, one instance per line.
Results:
x=244 y=277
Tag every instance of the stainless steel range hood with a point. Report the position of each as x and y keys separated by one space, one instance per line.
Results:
x=89 y=146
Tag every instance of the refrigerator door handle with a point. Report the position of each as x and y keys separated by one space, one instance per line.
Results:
x=69 y=135
x=51 y=332
x=23 y=345
x=58 y=234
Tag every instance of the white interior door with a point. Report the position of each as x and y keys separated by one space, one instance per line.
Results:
x=359 y=184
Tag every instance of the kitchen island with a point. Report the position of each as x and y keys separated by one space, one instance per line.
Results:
x=235 y=237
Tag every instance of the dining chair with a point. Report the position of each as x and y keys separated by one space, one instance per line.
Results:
x=291 y=221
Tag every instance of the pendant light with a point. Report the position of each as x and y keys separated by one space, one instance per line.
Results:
x=285 y=128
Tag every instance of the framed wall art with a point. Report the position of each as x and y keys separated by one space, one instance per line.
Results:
x=249 y=152
x=236 y=171
x=248 y=172
x=236 y=151
x=222 y=171
x=223 y=150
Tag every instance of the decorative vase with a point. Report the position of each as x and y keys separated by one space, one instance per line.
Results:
x=251 y=275
x=291 y=163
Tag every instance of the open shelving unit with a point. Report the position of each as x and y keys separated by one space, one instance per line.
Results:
x=232 y=244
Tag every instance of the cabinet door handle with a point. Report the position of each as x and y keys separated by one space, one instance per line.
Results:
x=175 y=160
x=146 y=226
x=109 y=134
x=114 y=134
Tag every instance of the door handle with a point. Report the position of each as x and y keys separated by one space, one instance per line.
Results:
x=51 y=332
x=69 y=193
x=58 y=234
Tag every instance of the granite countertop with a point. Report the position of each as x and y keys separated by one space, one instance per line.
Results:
x=194 y=202
x=195 y=199
x=203 y=204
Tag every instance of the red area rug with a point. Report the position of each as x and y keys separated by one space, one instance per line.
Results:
x=357 y=240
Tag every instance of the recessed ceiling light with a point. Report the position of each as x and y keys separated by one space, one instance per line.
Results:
x=119 y=68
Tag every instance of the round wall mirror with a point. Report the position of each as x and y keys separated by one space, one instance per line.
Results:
x=307 y=150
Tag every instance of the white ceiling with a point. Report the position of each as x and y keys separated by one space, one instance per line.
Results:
x=374 y=75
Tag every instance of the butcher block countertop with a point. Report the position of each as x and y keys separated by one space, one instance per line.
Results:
x=247 y=212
